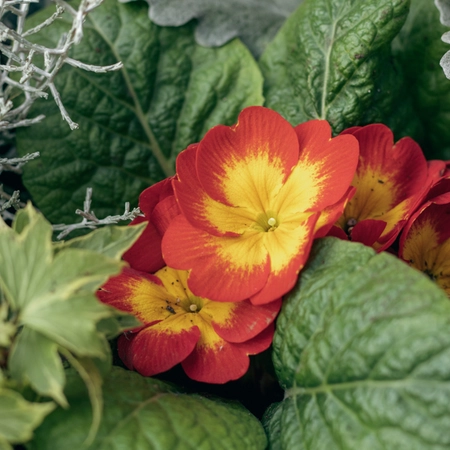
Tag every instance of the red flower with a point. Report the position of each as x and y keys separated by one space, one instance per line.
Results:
x=159 y=207
x=251 y=198
x=390 y=182
x=425 y=240
x=211 y=340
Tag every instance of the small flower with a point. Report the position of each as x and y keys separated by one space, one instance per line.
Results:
x=159 y=207
x=390 y=182
x=211 y=340
x=251 y=198
x=425 y=240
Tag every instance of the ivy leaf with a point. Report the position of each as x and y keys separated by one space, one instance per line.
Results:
x=362 y=348
x=52 y=300
x=331 y=60
x=111 y=241
x=254 y=21
x=18 y=417
x=145 y=414
x=135 y=121
x=419 y=49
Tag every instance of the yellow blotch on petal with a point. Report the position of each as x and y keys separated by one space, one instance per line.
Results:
x=374 y=198
x=253 y=183
x=422 y=251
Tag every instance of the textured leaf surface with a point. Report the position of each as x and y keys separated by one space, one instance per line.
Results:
x=254 y=21
x=148 y=414
x=135 y=121
x=419 y=48
x=331 y=60
x=18 y=417
x=363 y=349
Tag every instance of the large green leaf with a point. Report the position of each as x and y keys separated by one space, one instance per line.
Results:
x=133 y=122
x=419 y=48
x=18 y=417
x=331 y=60
x=362 y=348
x=143 y=414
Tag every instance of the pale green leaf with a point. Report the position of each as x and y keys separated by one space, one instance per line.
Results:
x=71 y=323
x=134 y=122
x=111 y=241
x=145 y=414
x=34 y=359
x=90 y=374
x=362 y=348
x=18 y=417
x=25 y=256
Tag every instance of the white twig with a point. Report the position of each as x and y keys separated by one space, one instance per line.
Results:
x=20 y=53
x=14 y=164
x=91 y=221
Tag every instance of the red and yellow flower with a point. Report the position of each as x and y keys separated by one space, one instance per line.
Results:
x=211 y=340
x=390 y=182
x=251 y=198
x=425 y=240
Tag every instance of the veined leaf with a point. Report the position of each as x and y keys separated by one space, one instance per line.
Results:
x=147 y=414
x=133 y=122
x=331 y=60
x=362 y=347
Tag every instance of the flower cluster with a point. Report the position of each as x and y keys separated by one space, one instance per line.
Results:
x=227 y=236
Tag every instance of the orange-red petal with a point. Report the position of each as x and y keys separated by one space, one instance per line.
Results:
x=157 y=349
x=221 y=268
x=327 y=165
x=245 y=164
x=246 y=321
x=159 y=207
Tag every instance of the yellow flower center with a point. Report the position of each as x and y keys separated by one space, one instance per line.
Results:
x=267 y=221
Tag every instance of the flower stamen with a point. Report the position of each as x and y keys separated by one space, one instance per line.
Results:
x=272 y=222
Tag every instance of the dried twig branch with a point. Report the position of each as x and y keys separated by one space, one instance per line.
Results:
x=91 y=221
x=20 y=53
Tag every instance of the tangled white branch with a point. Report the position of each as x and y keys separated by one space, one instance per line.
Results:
x=20 y=54
x=91 y=221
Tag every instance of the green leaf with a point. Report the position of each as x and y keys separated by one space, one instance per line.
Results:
x=34 y=359
x=362 y=348
x=419 y=49
x=111 y=241
x=331 y=60
x=144 y=413
x=52 y=302
x=133 y=122
x=255 y=22
x=18 y=417
x=31 y=277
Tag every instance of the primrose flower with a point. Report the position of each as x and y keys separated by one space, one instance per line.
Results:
x=425 y=240
x=211 y=340
x=159 y=207
x=251 y=198
x=390 y=182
